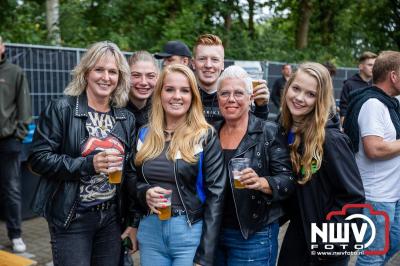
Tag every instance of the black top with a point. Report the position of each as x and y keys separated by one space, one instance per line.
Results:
x=141 y=115
x=355 y=82
x=229 y=220
x=160 y=171
x=277 y=90
x=95 y=189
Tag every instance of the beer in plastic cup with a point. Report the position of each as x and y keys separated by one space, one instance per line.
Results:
x=255 y=83
x=236 y=166
x=116 y=176
x=165 y=212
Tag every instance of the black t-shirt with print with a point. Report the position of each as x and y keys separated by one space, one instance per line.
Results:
x=96 y=189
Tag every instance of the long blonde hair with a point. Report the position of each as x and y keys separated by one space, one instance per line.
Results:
x=310 y=135
x=187 y=135
x=77 y=86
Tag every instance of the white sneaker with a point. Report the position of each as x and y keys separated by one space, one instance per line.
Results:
x=18 y=245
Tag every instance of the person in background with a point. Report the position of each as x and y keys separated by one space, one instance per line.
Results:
x=373 y=125
x=175 y=52
x=208 y=63
x=144 y=74
x=80 y=142
x=357 y=81
x=331 y=68
x=279 y=85
x=15 y=116
x=322 y=159
x=249 y=232
x=179 y=153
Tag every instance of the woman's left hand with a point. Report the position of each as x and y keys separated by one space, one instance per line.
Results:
x=251 y=180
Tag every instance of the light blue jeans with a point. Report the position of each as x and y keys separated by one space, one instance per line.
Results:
x=393 y=211
x=260 y=249
x=165 y=243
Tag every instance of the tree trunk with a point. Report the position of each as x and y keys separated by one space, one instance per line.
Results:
x=303 y=23
x=252 y=31
x=53 y=21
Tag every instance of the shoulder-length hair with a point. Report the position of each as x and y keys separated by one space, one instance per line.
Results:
x=310 y=135
x=186 y=136
x=77 y=86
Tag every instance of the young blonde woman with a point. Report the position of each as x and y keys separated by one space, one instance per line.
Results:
x=179 y=154
x=321 y=156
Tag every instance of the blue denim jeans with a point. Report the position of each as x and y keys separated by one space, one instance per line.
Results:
x=259 y=249
x=93 y=238
x=393 y=211
x=10 y=184
x=169 y=242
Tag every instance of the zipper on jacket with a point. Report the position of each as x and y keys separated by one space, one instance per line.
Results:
x=144 y=177
x=71 y=212
x=180 y=196
x=233 y=194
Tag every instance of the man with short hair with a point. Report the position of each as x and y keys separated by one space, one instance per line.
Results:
x=175 y=52
x=208 y=63
x=15 y=115
x=279 y=85
x=373 y=125
x=357 y=81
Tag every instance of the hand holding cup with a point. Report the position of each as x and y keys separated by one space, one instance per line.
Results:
x=157 y=198
x=260 y=92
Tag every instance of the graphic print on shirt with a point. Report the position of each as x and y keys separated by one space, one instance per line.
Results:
x=96 y=189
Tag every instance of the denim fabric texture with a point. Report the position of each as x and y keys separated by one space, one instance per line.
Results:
x=259 y=249
x=393 y=211
x=10 y=184
x=93 y=238
x=171 y=242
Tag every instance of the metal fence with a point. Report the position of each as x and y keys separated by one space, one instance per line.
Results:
x=48 y=70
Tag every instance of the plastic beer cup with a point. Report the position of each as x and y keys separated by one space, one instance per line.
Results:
x=116 y=176
x=165 y=211
x=255 y=83
x=236 y=166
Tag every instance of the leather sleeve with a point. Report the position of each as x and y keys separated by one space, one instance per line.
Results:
x=281 y=180
x=130 y=181
x=214 y=174
x=47 y=157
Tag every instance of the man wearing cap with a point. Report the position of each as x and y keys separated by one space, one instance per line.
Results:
x=175 y=52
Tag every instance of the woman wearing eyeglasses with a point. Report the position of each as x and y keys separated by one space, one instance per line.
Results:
x=249 y=232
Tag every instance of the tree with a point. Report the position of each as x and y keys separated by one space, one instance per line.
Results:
x=53 y=21
x=303 y=24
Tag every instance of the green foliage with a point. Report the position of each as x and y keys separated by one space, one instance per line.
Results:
x=22 y=23
x=339 y=30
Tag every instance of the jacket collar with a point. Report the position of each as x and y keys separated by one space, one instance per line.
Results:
x=254 y=128
x=81 y=108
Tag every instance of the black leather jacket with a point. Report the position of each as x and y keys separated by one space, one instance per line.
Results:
x=56 y=156
x=214 y=178
x=266 y=146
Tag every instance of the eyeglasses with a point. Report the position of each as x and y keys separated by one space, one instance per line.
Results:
x=237 y=94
